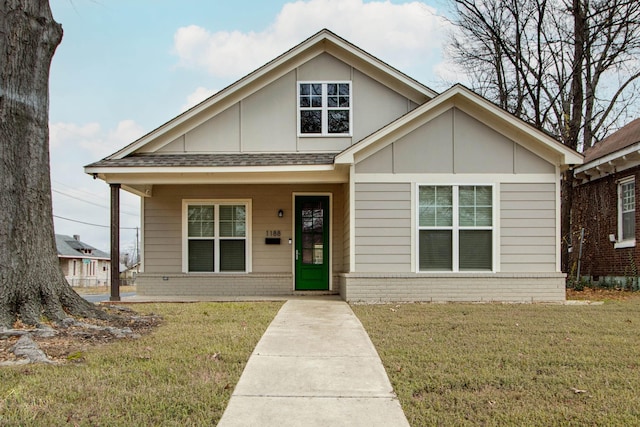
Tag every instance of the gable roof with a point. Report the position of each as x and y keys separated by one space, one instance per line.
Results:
x=324 y=41
x=616 y=153
x=623 y=138
x=490 y=114
x=70 y=247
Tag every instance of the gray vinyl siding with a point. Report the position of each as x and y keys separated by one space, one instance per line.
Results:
x=347 y=227
x=163 y=223
x=528 y=227
x=163 y=233
x=383 y=227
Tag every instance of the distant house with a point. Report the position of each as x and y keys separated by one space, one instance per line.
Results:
x=605 y=205
x=128 y=274
x=82 y=264
x=327 y=170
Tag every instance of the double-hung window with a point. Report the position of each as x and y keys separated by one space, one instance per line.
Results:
x=626 y=212
x=324 y=108
x=216 y=235
x=455 y=228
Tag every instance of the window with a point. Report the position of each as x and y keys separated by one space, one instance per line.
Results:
x=216 y=236
x=455 y=228
x=627 y=211
x=324 y=108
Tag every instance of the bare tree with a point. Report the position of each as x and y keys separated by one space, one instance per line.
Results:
x=32 y=284
x=569 y=67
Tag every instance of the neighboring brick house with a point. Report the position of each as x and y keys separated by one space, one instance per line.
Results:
x=605 y=204
x=82 y=264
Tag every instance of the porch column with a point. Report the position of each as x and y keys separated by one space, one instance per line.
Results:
x=115 y=242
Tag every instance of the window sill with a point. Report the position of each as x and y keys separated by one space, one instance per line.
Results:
x=456 y=272
x=222 y=273
x=325 y=135
x=625 y=244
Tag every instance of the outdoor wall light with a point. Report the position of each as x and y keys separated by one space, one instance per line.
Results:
x=280 y=213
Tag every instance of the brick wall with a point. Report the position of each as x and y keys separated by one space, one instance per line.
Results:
x=221 y=285
x=453 y=287
x=595 y=209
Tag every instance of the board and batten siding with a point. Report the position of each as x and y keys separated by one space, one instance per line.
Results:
x=383 y=227
x=266 y=120
x=528 y=227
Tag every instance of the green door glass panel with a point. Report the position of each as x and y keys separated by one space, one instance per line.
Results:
x=312 y=243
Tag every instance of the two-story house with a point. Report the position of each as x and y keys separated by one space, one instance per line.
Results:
x=82 y=264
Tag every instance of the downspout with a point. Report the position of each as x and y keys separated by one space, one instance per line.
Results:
x=579 y=255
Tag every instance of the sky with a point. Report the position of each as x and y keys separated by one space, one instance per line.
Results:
x=125 y=67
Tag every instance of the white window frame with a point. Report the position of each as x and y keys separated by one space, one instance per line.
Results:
x=623 y=242
x=455 y=228
x=216 y=203
x=325 y=108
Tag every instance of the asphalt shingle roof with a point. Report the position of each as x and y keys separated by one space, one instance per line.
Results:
x=626 y=136
x=69 y=247
x=218 y=160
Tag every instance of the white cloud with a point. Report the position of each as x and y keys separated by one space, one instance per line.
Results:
x=77 y=195
x=199 y=95
x=408 y=36
x=92 y=138
x=61 y=133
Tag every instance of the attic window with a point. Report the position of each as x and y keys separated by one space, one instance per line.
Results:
x=324 y=108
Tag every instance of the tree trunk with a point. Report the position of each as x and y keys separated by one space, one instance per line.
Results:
x=32 y=284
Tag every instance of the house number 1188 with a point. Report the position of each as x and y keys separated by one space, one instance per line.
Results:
x=273 y=233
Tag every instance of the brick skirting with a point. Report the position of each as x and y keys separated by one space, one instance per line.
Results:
x=490 y=287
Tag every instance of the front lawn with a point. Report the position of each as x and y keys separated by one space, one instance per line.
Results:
x=182 y=374
x=501 y=364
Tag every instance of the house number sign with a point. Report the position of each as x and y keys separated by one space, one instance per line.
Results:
x=273 y=233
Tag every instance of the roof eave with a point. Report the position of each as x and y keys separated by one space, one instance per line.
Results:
x=320 y=42
x=460 y=96
x=178 y=170
x=620 y=160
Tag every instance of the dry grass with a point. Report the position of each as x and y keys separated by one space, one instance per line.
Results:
x=101 y=290
x=492 y=364
x=181 y=374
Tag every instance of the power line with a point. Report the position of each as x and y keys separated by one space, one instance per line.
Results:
x=91 y=203
x=86 y=193
x=93 y=225
x=77 y=190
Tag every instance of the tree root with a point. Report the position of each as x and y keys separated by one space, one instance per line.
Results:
x=27 y=350
x=116 y=332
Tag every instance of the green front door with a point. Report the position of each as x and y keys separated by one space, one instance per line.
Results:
x=312 y=243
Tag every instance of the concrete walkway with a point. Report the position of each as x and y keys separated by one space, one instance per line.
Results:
x=314 y=366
